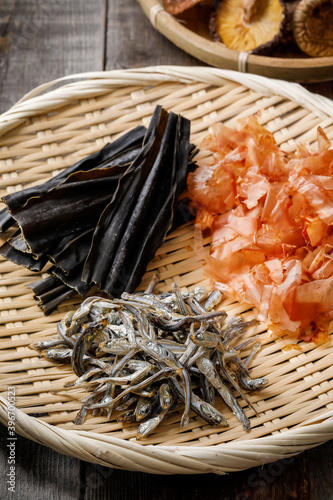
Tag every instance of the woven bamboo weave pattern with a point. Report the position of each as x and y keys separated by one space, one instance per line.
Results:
x=44 y=134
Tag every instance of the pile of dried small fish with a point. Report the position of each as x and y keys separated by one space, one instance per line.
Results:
x=145 y=353
x=100 y=221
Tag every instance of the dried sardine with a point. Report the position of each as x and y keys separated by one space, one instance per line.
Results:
x=144 y=353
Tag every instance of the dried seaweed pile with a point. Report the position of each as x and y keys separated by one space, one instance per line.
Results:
x=148 y=354
x=101 y=220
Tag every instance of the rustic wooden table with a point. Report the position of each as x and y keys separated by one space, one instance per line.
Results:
x=44 y=39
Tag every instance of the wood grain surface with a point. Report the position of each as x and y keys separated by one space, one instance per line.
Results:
x=44 y=39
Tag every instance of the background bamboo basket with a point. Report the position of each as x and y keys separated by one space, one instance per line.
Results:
x=51 y=129
x=190 y=32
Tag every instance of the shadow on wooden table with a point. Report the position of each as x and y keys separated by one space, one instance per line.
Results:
x=42 y=473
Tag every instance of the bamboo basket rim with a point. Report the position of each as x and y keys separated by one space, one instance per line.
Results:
x=304 y=70
x=163 y=459
x=219 y=459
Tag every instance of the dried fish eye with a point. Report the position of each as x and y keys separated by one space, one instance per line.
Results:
x=143 y=409
x=199 y=336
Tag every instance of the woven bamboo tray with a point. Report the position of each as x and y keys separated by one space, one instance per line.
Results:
x=51 y=129
x=190 y=32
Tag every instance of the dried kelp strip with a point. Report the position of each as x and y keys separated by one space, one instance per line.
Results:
x=22 y=258
x=50 y=292
x=72 y=279
x=133 y=270
x=149 y=232
x=133 y=246
x=44 y=285
x=123 y=159
x=16 y=241
x=74 y=205
x=6 y=220
x=101 y=221
x=58 y=286
x=48 y=306
x=116 y=153
x=183 y=214
x=115 y=218
x=120 y=152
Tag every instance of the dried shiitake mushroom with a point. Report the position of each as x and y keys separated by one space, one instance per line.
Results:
x=313 y=27
x=175 y=7
x=249 y=25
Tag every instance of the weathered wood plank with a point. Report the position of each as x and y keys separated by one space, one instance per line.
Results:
x=303 y=477
x=39 y=472
x=41 y=40
x=132 y=42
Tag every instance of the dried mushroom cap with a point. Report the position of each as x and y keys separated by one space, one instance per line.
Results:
x=248 y=25
x=313 y=27
x=177 y=6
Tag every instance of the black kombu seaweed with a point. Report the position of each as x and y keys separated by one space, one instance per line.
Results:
x=101 y=220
